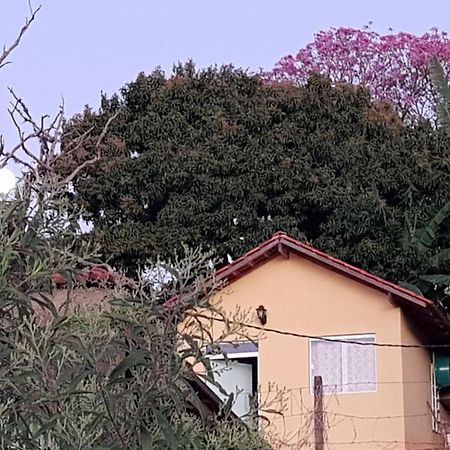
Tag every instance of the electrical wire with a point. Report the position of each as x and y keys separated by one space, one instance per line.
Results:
x=351 y=416
x=322 y=338
x=354 y=342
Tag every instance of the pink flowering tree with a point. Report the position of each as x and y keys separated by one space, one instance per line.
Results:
x=393 y=67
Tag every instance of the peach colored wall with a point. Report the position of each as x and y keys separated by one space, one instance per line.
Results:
x=303 y=297
x=88 y=298
x=417 y=392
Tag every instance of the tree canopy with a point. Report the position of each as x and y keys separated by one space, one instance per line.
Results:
x=219 y=159
x=393 y=67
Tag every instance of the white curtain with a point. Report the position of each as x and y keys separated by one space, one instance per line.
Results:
x=326 y=359
x=344 y=367
x=360 y=367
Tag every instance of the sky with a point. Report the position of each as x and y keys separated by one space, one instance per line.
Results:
x=78 y=48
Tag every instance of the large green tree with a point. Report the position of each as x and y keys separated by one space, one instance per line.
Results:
x=219 y=159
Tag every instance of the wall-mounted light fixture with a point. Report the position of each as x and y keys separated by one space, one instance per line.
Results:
x=262 y=314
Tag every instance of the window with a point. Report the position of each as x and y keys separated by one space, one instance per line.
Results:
x=237 y=374
x=344 y=367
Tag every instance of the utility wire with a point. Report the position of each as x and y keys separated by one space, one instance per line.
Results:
x=325 y=339
x=351 y=416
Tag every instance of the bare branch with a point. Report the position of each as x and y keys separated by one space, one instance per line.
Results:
x=97 y=157
x=20 y=108
x=7 y=51
x=47 y=133
x=105 y=128
x=22 y=139
x=76 y=171
x=78 y=142
x=11 y=155
x=43 y=133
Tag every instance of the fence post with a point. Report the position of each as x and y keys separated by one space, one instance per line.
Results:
x=318 y=414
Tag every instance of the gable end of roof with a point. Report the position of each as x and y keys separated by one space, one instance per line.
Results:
x=418 y=307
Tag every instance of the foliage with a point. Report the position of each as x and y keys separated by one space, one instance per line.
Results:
x=425 y=240
x=193 y=434
x=215 y=158
x=37 y=239
x=393 y=67
x=102 y=377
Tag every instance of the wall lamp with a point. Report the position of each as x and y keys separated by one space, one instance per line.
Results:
x=262 y=314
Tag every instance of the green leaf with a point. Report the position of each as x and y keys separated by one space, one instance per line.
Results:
x=166 y=429
x=83 y=373
x=146 y=441
x=437 y=279
x=426 y=237
x=209 y=376
x=68 y=276
x=132 y=360
x=19 y=296
x=45 y=302
x=44 y=428
x=228 y=405
x=441 y=257
x=411 y=287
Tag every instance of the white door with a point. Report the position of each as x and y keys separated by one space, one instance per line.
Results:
x=236 y=378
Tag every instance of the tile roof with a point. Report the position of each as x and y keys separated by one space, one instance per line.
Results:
x=431 y=319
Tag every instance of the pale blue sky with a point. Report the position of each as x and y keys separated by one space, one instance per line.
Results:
x=77 y=48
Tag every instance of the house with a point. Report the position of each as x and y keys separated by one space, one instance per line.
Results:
x=380 y=350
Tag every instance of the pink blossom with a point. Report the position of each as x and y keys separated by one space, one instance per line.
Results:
x=393 y=67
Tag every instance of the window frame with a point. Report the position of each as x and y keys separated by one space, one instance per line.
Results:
x=231 y=356
x=435 y=400
x=344 y=337
x=235 y=353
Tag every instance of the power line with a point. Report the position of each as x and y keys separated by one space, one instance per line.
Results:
x=351 y=416
x=403 y=416
x=325 y=339
x=374 y=441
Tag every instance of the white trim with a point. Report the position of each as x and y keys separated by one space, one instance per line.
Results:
x=258 y=390
x=233 y=355
x=349 y=337
x=343 y=337
x=435 y=404
x=242 y=355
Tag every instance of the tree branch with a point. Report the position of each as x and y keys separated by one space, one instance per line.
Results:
x=48 y=133
x=7 y=51
x=97 y=157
